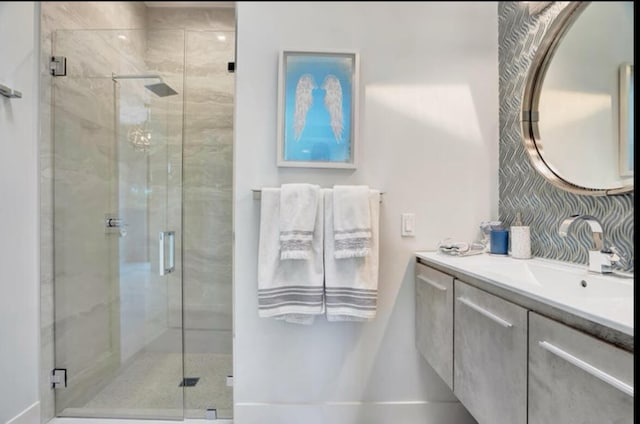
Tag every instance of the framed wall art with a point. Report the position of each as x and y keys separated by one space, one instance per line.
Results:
x=317 y=109
x=626 y=121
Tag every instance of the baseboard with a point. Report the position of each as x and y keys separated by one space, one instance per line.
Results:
x=411 y=412
x=31 y=415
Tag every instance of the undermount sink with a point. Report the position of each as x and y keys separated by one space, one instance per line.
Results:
x=569 y=286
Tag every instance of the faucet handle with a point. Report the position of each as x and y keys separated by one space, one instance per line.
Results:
x=614 y=254
x=614 y=258
x=600 y=262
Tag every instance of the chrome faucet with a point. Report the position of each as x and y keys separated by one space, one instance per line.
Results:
x=601 y=258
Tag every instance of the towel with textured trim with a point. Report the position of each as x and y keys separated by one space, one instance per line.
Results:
x=351 y=284
x=298 y=208
x=351 y=221
x=289 y=290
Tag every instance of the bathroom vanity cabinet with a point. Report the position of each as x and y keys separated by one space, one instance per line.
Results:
x=434 y=320
x=507 y=363
x=490 y=356
x=576 y=378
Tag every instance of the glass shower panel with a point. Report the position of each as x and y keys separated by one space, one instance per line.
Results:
x=207 y=209
x=117 y=164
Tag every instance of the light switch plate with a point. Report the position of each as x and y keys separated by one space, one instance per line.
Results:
x=408 y=225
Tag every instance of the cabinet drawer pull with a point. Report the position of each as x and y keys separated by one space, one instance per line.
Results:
x=588 y=368
x=484 y=312
x=431 y=283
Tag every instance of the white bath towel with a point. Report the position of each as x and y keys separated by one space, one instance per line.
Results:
x=298 y=209
x=351 y=284
x=288 y=290
x=351 y=221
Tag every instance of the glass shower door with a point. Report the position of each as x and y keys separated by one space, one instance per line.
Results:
x=117 y=226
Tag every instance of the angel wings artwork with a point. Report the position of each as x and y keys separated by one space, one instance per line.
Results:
x=304 y=98
x=317 y=109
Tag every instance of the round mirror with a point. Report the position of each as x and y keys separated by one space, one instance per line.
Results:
x=578 y=106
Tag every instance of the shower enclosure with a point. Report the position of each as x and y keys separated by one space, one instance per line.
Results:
x=142 y=326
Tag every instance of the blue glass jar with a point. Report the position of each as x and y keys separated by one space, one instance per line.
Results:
x=499 y=242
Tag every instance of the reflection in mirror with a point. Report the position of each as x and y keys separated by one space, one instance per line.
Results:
x=626 y=120
x=583 y=133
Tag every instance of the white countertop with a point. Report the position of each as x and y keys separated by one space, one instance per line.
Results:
x=606 y=300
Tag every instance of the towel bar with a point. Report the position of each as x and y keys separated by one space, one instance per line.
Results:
x=257 y=194
x=10 y=93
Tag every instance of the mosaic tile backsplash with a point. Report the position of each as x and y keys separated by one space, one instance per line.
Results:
x=522 y=189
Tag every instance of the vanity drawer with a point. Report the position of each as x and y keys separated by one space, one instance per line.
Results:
x=490 y=358
x=434 y=320
x=575 y=378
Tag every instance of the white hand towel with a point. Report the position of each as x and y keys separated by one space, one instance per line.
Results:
x=351 y=221
x=351 y=285
x=460 y=248
x=288 y=290
x=298 y=208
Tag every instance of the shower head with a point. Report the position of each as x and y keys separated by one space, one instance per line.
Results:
x=160 y=89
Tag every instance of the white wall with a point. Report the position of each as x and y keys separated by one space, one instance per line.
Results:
x=19 y=316
x=429 y=140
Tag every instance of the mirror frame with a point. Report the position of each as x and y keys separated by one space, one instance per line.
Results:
x=531 y=97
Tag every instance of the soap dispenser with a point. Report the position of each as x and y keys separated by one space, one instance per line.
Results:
x=520 y=239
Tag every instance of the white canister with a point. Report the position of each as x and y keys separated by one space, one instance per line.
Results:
x=520 y=242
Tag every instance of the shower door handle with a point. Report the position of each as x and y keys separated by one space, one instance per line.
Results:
x=167 y=262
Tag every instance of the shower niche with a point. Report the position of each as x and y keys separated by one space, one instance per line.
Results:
x=142 y=302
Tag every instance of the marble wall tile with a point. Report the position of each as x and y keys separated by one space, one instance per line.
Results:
x=174 y=220
x=207 y=259
x=133 y=170
x=207 y=189
x=95 y=14
x=165 y=56
x=142 y=192
x=81 y=347
x=174 y=301
x=86 y=310
x=110 y=51
x=75 y=105
x=207 y=179
x=165 y=52
x=192 y=18
x=209 y=169
x=219 y=47
x=209 y=109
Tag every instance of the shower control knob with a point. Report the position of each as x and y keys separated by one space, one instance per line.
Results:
x=113 y=224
